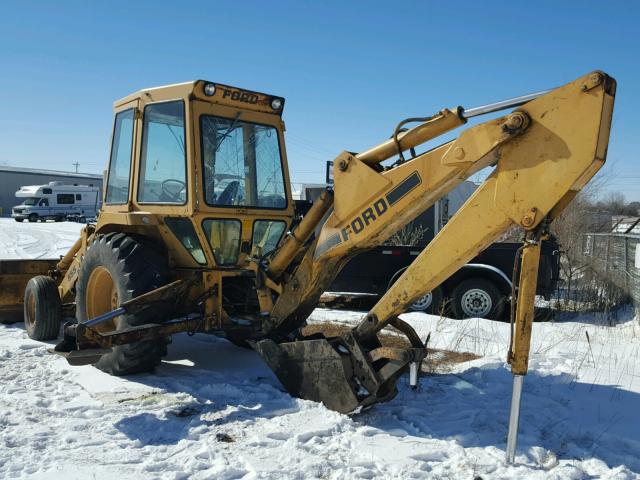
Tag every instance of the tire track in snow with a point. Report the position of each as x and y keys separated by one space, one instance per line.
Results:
x=36 y=240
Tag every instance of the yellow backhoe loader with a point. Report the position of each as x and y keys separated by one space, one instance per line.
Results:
x=198 y=232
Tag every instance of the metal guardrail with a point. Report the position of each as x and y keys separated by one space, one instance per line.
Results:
x=616 y=257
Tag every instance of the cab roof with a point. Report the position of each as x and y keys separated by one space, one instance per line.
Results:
x=212 y=92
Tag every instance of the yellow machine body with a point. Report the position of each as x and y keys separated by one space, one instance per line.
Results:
x=246 y=267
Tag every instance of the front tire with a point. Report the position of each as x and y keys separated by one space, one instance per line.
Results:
x=42 y=308
x=33 y=217
x=477 y=297
x=117 y=268
x=19 y=220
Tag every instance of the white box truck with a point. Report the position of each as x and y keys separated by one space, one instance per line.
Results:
x=57 y=201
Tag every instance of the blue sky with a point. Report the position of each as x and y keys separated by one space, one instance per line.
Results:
x=349 y=70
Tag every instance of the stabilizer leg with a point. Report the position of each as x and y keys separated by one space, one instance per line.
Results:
x=514 y=417
x=521 y=336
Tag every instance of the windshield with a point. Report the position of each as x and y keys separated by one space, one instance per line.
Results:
x=31 y=201
x=242 y=164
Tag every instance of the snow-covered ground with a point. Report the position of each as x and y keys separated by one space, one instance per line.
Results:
x=580 y=413
x=213 y=410
x=36 y=240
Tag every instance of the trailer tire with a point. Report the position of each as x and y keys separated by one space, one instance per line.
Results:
x=477 y=297
x=122 y=267
x=42 y=308
x=429 y=303
x=33 y=217
x=424 y=304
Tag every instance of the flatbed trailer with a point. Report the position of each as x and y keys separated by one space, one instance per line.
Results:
x=481 y=288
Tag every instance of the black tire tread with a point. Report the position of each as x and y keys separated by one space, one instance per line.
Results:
x=139 y=268
x=48 y=308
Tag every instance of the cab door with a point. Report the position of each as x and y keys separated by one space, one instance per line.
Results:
x=44 y=209
x=243 y=190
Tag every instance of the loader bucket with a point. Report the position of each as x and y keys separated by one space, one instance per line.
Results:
x=14 y=276
x=339 y=372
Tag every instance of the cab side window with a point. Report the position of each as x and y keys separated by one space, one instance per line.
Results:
x=120 y=162
x=267 y=235
x=224 y=238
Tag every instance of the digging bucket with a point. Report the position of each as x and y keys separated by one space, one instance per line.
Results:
x=342 y=372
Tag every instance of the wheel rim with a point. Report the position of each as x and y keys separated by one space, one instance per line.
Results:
x=476 y=303
x=101 y=297
x=30 y=317
x=422 y=303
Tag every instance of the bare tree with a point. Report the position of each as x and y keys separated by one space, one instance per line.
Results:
x=568 y=229
x=408 y=235
x=589 y=212
x=634 y=208
x=613 y=202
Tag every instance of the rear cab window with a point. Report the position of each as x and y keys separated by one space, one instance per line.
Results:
x=242 y=164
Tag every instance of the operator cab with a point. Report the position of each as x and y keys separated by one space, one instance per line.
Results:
x=206 y=163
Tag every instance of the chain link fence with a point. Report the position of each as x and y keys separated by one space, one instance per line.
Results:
x=615 y=257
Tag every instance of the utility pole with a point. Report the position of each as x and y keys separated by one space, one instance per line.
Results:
x=77 y=164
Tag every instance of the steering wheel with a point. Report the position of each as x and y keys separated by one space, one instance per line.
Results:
x=228 y=195
x=171 y=193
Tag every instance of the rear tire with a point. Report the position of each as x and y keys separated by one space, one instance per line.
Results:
x=117 y=268
x=42 y=308
x=477 y=297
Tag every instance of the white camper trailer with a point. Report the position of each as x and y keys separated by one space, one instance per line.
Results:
x=57 y=201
